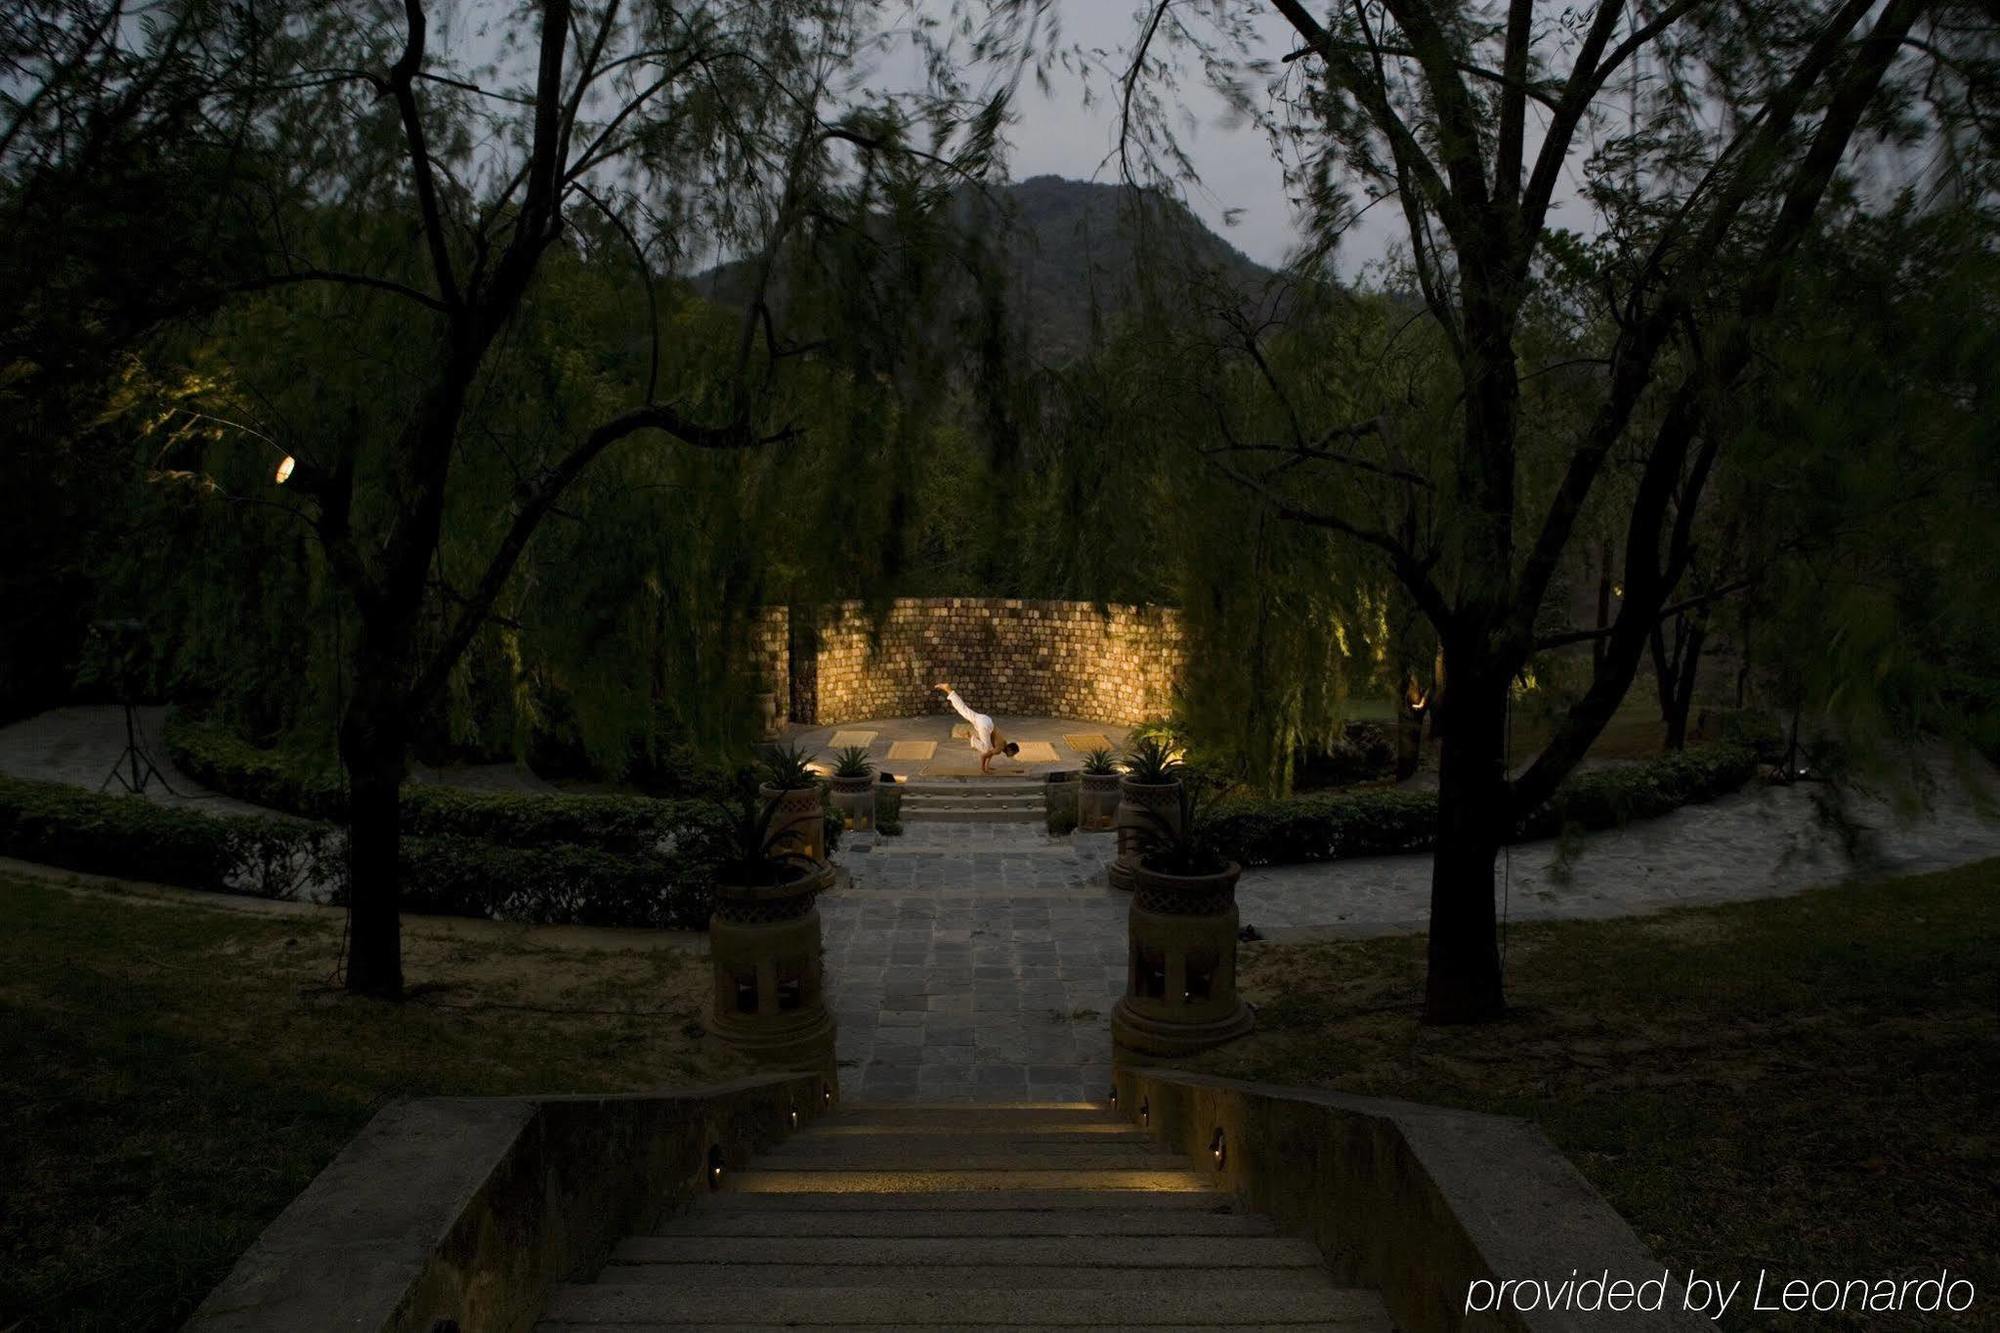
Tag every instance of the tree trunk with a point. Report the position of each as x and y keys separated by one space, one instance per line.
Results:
x=1682 y=699
x=1464 y=966
x=371 y=746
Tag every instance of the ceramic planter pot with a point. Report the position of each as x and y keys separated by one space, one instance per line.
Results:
x=854 y=798
x=1180 y=992
x=798 y=826
x=1097 y=803
x=1143 y=807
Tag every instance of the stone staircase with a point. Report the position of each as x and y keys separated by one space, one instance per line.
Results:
x=974 y=800
x=907 y=1216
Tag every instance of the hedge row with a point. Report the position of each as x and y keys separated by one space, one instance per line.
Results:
x=614 y=824
x=1375 y=823
x=560 y=884
x=120 y=835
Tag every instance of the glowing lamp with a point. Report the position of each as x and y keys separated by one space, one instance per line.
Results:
x=285 y=467
x=1218 y=1148
x=715 y=1167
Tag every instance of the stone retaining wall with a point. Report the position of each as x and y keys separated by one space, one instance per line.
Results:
x=1117 y=664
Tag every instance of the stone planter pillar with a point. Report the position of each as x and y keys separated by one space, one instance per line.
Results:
x=1097 y=803
x=1142 y=807
x=854 y=798
x=769 y=723
x=1180 y=989
x=798 y=825
x=764 y=947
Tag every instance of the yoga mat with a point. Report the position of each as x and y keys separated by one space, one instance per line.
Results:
x=912 y=751
x=961 y=731
x=1036 y=752
x=842 y=739
x=1083 y=742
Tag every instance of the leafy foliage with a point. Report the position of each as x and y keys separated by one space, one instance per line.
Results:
x=132 y=837
x=1152 y=760
x=1100 y=762
x=788 y=767
x=852 y=762
x=1190 y=841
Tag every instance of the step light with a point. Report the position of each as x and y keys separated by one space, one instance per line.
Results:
x=1218 y=1148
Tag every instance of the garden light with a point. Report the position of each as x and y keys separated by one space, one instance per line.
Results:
x=285 y=467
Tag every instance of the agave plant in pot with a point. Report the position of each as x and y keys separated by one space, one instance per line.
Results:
x=1149 y=791
x=853 y=785
x=1097 y=803
x=799 y=823
x=764 y=942
x=1180 y=993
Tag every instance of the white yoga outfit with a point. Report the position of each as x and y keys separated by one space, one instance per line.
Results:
x=982 y=725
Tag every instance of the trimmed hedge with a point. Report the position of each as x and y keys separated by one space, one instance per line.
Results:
x=127 y=836
x=559 y=884
x=564 y=884
x=1375 y=823
x=615 y=824
x=233 y=766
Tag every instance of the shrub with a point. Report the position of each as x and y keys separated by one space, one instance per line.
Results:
x=560 y=885
x=624 y=824
x=1375 y=823
x=1365 y=752
x=132 y=837
x=233 y=766
x=852 y=762
x=1100 y=762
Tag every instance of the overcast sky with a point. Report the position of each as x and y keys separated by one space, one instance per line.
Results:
x=1057 y=134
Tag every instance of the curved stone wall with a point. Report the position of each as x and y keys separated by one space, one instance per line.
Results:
x=1116 y=664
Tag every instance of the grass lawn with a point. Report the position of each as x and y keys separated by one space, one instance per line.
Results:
x=1809 y=1085
x=172 y=1075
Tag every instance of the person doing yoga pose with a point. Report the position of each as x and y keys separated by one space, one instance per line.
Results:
x=985 y=739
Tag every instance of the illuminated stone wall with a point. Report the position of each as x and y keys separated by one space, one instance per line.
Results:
x=1005 y=656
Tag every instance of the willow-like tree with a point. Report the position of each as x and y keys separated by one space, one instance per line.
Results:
x=719 y=125
x=1710 y=140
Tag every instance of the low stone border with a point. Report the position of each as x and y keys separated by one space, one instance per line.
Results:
x=1417 y=1202
x=466 y=1212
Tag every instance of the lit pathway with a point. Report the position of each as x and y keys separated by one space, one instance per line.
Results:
x=975 y=961
x=1761 y=842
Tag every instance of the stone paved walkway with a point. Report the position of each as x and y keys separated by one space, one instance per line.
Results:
x=975 y=961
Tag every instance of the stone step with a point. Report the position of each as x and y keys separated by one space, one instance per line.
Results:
x=916 y=1256
x=972 y=1113
x=971 y=814
x=980 y=801
x=932 y=787
x=728 y=1277
x=1219 y=1303
x=833 y=1204
x=965 y=1153
x=1075 y=1129
x=758 y=1180
x=984 y=1224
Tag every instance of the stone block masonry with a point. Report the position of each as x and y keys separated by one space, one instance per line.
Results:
x=1118 y=664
